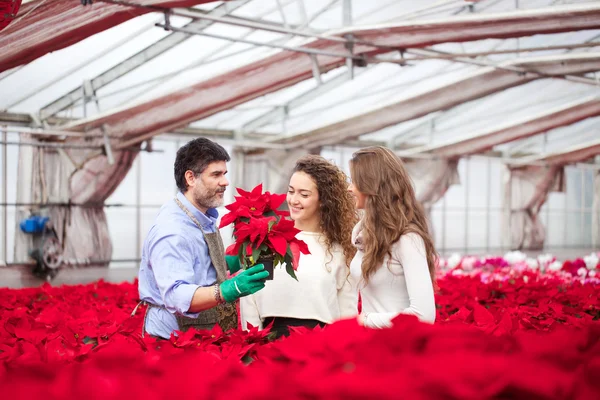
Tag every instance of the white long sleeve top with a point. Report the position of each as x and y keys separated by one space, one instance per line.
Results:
x=324 y=291
x=401 y=285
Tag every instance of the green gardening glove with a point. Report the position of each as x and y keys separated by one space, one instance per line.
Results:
x=245 y=283
x=233 y=264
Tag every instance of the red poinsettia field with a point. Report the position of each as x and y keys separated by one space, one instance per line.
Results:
x=505 y=329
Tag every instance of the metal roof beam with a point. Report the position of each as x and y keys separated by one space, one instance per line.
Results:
x=571 y=155
x=278 y=112
x=514 y=130
x=46 y=26
x=284 y=69
x=137 y=60
x=481 y=83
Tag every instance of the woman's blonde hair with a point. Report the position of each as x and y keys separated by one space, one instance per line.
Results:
x=391 y=207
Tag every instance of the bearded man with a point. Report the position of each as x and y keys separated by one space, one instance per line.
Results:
x=183 y=271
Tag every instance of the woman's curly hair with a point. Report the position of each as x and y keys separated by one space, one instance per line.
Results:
x=338 y=213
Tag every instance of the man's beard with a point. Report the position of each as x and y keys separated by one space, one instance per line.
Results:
x=210 y=200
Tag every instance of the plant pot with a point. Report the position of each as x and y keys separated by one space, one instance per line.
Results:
x=267 y=261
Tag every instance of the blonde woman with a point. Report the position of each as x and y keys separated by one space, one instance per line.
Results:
x=324 y=211
x=394 y=264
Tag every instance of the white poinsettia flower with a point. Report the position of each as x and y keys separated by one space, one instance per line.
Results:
x=532 y=263
x=555 y=266
x=545 y=259
x=591 y=261
x=592 y=273
x=453 y=260
x=513 y=257
x=468 y=263
x=582 y=272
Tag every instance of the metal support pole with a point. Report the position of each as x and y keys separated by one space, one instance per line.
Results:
x=315 y=69
x=347 y=21
x=547 y=222
x=488 y=203
x=282 y=13
x=347 y=13
x=444 y=223
x=302 y=11
x=84 y=98
x=4 y=197
x=467 y=164
x=510 y=212
x=72 y=146
x=138 y=209
x=582 y=211
x=566 y=214
x=307 y=50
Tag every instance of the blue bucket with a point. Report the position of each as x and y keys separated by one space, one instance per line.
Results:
x=34 y=224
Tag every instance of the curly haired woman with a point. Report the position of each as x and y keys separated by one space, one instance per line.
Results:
x=394 y=264
x=323 y=209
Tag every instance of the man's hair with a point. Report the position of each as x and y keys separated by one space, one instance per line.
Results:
x=195 y=156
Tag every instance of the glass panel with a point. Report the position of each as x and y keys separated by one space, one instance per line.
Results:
x=122 y=229
x=455 y=196
x=574 y=229
x=555 y=228
x=157 y=181
x=496 y=185
x=478 y=183
x=587 y=229
x=573 y=180
x=455 y=231
x=438 y=228
x=495 y=229
x=478 y=231
x=589 y=188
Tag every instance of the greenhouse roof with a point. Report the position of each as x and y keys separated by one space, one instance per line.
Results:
x=430 y=78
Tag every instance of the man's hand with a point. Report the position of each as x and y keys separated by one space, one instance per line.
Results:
x=245 y=283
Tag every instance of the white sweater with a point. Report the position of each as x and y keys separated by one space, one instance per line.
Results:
x=324 y=291
x=402 y=286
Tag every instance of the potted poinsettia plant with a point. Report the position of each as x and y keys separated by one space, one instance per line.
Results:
x=262 y=233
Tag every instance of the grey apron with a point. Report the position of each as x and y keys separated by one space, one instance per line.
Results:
x=224 y=314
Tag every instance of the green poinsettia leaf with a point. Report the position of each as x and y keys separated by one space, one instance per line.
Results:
x=278 y=260
x=242 y=256
x=255 y=255
x=290 y=270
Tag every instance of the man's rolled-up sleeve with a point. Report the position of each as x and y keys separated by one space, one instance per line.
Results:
x=172 y=262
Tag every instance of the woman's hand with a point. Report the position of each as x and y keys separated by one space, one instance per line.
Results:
x=360 y=319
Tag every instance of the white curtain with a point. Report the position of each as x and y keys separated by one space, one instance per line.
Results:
x=431 y=179
x=525 y=192
x=80 y=180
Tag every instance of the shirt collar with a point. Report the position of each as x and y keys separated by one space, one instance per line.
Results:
x=206 y=220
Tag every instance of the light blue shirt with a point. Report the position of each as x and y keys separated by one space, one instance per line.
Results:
x=175 y=262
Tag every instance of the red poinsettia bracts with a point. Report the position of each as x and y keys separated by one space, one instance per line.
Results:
x=520 y=335
x=253 y=204
x=260 y=228
x=283 y=234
